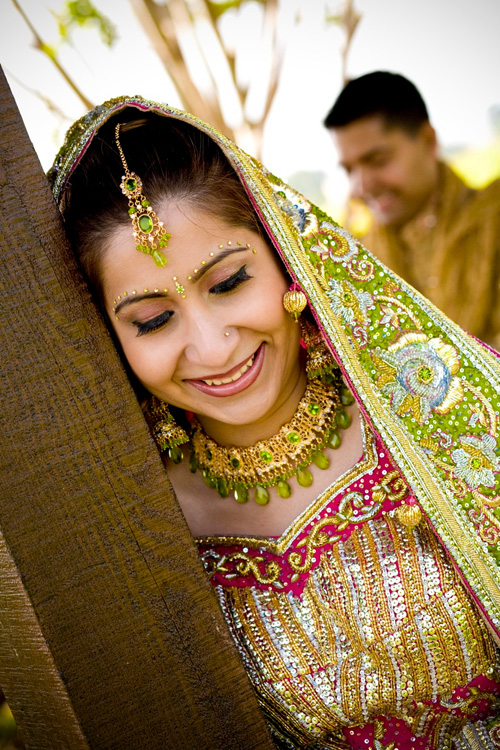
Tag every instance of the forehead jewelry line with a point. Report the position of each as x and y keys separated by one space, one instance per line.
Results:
x=155 y=293
x=205 y=266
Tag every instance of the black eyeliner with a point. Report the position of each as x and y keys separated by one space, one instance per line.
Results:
x=232 y=282
x=153 y=324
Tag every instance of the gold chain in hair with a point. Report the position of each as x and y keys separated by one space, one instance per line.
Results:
x=149 y=231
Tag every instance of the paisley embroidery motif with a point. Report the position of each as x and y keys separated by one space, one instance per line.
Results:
x=349 y=303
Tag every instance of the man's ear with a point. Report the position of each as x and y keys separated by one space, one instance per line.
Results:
x=428 y=135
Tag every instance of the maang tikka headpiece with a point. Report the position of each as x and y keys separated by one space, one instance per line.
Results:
x=149 y=231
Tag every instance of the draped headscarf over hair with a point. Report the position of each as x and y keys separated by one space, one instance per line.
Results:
x=430 y=390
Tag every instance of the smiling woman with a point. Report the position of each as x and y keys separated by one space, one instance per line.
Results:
x=339 y=474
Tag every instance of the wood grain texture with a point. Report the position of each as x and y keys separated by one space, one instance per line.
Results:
x=136 y=650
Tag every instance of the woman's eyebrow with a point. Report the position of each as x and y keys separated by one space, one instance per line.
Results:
x=129 y=300
x=224 y=254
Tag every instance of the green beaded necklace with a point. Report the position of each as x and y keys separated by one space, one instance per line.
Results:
x=270 y=463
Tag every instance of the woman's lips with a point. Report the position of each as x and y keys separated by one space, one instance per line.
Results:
x=245 y=374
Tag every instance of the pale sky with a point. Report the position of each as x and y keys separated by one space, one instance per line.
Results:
x=449 y=48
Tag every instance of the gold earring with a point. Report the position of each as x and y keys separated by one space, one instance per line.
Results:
x=149 y=231
x=294 y=301
x=167 y=433
x=320 y=362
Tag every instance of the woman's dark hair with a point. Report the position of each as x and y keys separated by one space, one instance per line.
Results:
x=172 y=158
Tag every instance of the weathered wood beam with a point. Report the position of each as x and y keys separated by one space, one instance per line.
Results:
x=110 y=636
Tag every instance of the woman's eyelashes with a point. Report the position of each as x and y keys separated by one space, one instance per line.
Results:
x=222 y=287
x=153 y=324
x=232 y=282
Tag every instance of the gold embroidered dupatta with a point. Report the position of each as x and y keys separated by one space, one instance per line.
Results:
x=429 y=389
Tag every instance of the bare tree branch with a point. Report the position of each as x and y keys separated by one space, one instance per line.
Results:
x=161 y=28
x=50 y=52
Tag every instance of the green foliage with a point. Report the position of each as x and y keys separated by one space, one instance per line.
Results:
x=84 y=13
x=217 y=8
x=48 y=50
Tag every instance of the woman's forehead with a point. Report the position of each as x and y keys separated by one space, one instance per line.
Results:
x=197 y=239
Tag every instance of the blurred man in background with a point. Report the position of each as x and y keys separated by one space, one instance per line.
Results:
x=440 y=235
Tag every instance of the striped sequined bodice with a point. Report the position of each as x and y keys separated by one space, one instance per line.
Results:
x=355 y=630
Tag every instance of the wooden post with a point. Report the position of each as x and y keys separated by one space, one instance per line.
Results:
x=110 y=636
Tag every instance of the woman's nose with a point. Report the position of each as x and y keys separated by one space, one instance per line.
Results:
x=209 y=342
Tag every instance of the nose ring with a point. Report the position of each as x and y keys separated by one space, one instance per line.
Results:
x=226 y=333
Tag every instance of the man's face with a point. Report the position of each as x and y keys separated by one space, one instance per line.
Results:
x=391 y=170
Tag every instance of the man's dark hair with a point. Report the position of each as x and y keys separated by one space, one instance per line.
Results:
x=388 y=95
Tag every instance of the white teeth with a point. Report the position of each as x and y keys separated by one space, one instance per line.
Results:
x=236 y=376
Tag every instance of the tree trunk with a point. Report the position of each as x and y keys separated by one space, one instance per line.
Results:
x=110 y=636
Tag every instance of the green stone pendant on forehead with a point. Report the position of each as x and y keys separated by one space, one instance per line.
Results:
x=149 y=232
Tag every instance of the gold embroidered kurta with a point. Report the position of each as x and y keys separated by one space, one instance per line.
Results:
x=343 y=634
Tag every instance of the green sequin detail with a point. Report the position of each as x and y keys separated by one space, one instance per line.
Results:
x=175 y=454
x=241 y=494
x=334 y=439
x=304 y=477
x=320 y=460
x=145 y=223
x=222 y=488
x=261 y=495
x=159 y=258
x=425 y=375
x=343 y=420
x=346 y=397
x=283 y=489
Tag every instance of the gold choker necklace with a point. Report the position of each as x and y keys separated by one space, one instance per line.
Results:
x=270 y=463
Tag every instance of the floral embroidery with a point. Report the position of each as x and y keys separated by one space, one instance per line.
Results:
x=239 y=564
x=418 y=371
x=378 y=736
x=484 y=525
x=389 y=317
x=294 y=205
x=334 y=242
x=348 y=302
x=419 y=375
x=494 y=732
x=361 y=269
x=361 y=336
x=353 y=509
x=476 y=462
